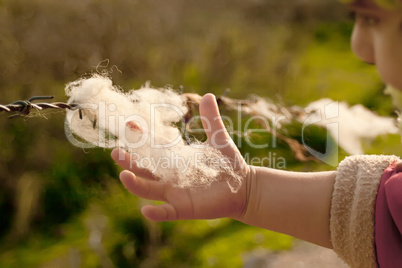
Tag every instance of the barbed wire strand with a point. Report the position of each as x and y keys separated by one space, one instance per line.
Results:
x=23 y=108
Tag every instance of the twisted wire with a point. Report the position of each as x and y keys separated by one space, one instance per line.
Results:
x=23 y=108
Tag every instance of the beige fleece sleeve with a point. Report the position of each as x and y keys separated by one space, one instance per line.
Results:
x=352 y=208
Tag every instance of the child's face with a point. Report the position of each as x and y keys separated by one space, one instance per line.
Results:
x=377 y=39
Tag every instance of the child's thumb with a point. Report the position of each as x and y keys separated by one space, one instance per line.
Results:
x=211 y=119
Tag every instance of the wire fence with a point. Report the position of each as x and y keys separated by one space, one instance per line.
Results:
x=23 y=108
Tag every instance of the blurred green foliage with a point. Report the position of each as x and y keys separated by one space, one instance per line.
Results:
x=62 y=206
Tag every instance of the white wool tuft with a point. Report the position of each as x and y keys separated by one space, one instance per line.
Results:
x=353 y=123
x=143 y=123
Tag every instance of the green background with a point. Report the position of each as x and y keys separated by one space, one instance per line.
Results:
x=63 y=206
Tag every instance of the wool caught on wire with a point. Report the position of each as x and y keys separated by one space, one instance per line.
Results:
x=144 y=123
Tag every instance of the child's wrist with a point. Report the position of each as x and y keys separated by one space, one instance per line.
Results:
x=245 y=193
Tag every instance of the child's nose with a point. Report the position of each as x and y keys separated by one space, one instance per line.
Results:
x=362 y=45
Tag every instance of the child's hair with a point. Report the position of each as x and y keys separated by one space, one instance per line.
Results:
x=389 y=4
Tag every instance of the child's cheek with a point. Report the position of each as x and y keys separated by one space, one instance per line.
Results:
x=389 y=63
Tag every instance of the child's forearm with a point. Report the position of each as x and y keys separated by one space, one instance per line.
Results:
x=293 y=203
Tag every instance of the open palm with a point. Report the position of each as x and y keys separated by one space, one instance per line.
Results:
x=215 y=201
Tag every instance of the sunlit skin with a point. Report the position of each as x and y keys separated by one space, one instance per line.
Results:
x=377 y=39
x=293 y=203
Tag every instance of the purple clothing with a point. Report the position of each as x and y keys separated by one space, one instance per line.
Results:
x=388 y=219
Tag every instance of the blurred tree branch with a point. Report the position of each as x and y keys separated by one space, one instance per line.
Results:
x=249 y=109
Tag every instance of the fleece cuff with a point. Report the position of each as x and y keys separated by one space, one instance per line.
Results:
x=352 y=208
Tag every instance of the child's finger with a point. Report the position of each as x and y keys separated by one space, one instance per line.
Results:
x=164 y=212
x=211 y=119
x=121 y=157
x=147 y=189
x=124 y=160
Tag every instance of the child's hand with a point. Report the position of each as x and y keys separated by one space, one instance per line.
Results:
x=215 y=201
